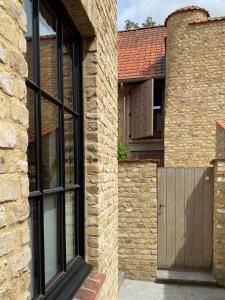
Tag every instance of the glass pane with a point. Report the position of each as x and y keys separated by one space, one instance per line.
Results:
x=29 y=37
x=50 y=237
x=32 y=223
x=31 y=153
x=67 y=69
x=48 y=53
x=50 y=144
x=70 y=226
x=69 y=148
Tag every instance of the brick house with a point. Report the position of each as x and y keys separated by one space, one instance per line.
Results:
x=58 y=145
x=171 y=92
x=58 y=140
x=180 y=67
x=141 y=58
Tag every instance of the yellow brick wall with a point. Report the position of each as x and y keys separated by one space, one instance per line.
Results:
x=101 y=135
x=219 y=222
x=219 y=207
x=96 y=21
x=138 y=219
x=14 y=208
x=220 y=141
x=195 y=90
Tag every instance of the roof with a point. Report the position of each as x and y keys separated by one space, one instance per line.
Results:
x=187 y=9
x=141 y=52
x=45 y=131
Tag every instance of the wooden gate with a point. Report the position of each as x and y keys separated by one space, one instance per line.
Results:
x=185 y=212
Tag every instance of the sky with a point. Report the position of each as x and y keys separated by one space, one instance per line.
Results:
x=139 y=10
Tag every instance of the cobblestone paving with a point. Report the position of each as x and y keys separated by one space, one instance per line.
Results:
x=140 y=290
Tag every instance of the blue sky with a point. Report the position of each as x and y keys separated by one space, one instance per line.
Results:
x=139 y=10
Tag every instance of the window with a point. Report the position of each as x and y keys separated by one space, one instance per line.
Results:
x=55 y=152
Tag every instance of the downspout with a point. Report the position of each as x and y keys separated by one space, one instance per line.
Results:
x=124 y=112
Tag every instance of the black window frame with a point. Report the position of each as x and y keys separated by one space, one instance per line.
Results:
x=70 y=277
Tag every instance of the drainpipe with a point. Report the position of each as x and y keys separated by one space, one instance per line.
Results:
x=124 y=112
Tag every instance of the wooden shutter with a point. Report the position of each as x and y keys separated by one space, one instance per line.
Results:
x=142 y=110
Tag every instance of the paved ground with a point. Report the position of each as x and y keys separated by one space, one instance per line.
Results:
x=140 y=290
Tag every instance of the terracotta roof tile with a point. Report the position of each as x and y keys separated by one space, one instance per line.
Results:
x=141 y=52
x=185 y=9
x=31 y=133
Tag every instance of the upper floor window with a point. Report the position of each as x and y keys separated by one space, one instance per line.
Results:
x=55 y=151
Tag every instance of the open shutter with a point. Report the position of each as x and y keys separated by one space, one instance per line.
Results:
x=142 y=110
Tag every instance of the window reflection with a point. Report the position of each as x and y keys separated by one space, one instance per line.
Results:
x=50 y=144
x=32 y=223
x=70 y=226
x=48 y=54
x=31 y=154
x=50 y=237
x=29 y=37
x=67 y=69
x=69 y=148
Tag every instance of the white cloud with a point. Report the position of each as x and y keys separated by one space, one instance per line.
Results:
x=139 y=10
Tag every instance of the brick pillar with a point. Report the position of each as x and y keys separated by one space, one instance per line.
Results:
x=219 y=222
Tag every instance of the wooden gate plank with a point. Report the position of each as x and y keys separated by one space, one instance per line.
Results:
x=161 y=218
x=171 y=257
x=185 y=219
x=179 y=217
x=208 y=217
x=198 y=219
x=189 y=213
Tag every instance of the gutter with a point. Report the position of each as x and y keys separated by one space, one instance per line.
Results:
x=139 y=79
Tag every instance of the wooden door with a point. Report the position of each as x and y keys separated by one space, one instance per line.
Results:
x=185 y=218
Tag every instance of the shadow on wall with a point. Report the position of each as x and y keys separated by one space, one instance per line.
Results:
x=157 y=68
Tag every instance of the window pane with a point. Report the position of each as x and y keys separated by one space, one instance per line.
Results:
x=31 y=153
x=50 y=144
x=67 y=69
x=50 y=237
x=48 y=54
x=70 y=226
x=29 y=37
x=32 y=223
x=69 y=148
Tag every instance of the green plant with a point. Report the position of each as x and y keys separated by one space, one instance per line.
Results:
x=148 y=22
x=123 y=152
x=130 y=25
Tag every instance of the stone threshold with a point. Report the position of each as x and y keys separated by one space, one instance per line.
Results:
x=90 y=287
x=186 y=277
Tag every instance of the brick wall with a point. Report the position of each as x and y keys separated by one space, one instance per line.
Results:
x=220 y=138
x=195 y=90
x=96 y=21
x=138 y=219
x=219 y=222
x=219 y=205
x=14 y=208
